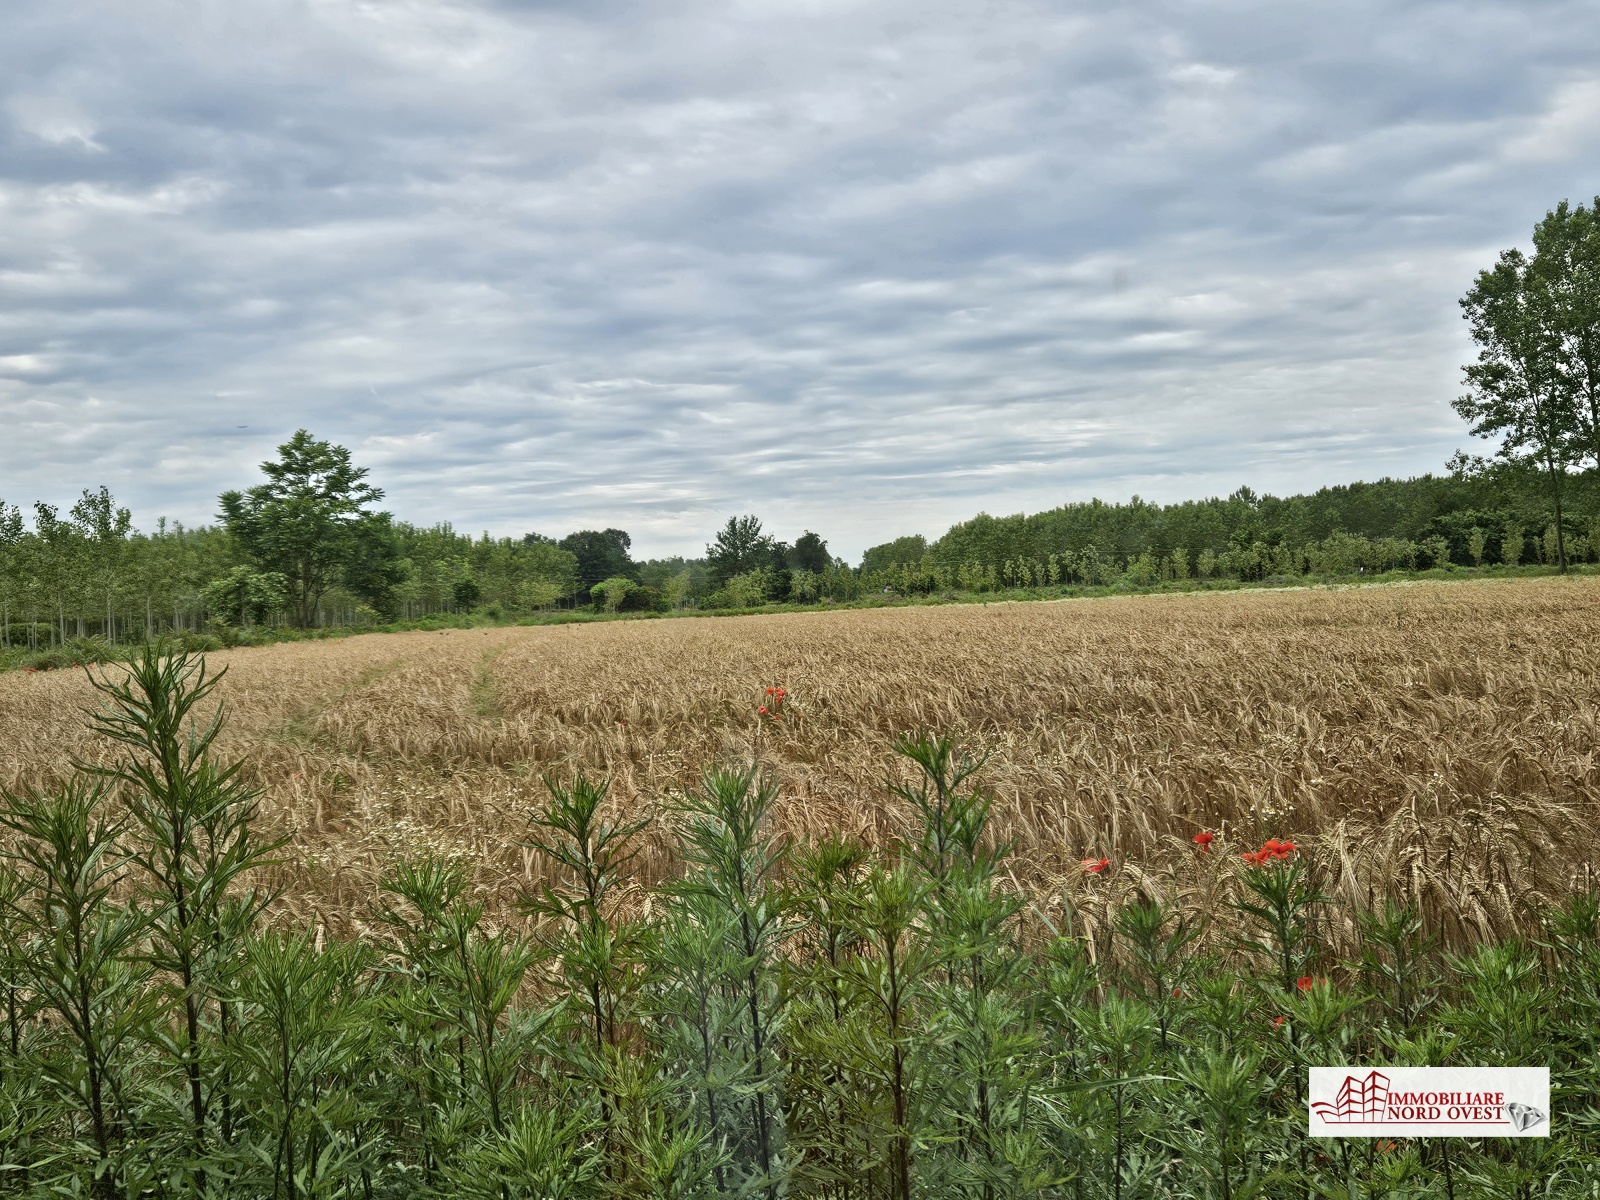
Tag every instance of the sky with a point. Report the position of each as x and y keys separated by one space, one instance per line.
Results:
x=861 y=268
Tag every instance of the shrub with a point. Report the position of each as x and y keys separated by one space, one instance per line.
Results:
x=610 y=594
x=644 y=599
x=748 y=590
x=76 y=652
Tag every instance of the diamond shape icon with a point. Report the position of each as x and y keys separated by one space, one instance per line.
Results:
x=1523 y=1116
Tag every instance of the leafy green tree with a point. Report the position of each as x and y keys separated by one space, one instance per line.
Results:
x=466 y=592
x=374 y=567
x=1567 y=259
x=809 y=553
x=1511 y=544
x=10 y=561
x=1517 y=389
x=306 y=521
x=678 y=589
x=740 y=547
x=601 y=553
x=513 y=574
x=105 y=529
x=610 y=593
x=904 y=550
x=243 y=595
x=748 y=590
x=59 y=561
x=1477 y=541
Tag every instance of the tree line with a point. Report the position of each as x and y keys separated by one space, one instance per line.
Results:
x=308 y=548
x=815 y=1020
x=1483 y=515
x=274 y=560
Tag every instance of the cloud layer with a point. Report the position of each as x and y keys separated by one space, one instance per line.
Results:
x=859 y=267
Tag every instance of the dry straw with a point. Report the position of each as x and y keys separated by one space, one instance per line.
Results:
x=1434 y=742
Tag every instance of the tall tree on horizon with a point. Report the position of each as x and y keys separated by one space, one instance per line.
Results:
x=1518 y=390
x=1567 y=263
x=11 y=535
x=58 y=543
x=602 y=554
x=810 y=553
x=305 y=522
x=740 y=546
x=105 y=529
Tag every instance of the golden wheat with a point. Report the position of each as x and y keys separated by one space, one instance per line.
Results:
x=1433 y=741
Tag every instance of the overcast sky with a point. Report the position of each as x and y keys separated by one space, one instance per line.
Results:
x=864 y=268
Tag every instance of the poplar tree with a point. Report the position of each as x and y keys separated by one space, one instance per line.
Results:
x=10 y=553
x=58 y=561
x=105 y=529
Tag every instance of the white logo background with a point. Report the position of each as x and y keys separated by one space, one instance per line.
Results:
x=1429 y=1102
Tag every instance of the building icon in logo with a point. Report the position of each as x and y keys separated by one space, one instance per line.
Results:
x=1359 y=1101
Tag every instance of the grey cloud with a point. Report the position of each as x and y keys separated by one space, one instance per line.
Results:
x=859 y=267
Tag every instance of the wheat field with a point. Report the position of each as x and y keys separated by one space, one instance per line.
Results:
x=1431 y=742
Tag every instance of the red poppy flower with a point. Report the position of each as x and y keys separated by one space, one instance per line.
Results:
x=1278 y=1024
x=1204 y=840
x=762 y=710
x=1095 y=865
x=771 y=690
x=1284 y=849
x=1305 y=983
